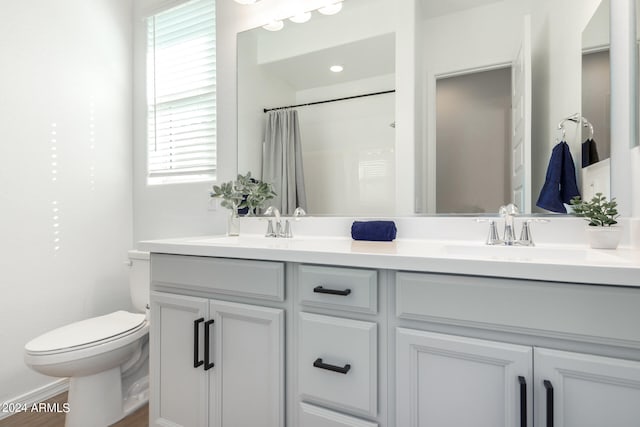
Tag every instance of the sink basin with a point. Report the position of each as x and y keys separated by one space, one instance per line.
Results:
x=534 y=253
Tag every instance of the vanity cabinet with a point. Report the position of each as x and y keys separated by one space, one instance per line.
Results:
x=337 y=355
x=215 y=363
x=444 y=380
x=496 y=382
x=581 y=390
x=450 y=380
x=370 y=347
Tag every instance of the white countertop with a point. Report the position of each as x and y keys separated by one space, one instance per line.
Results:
x=562 y=263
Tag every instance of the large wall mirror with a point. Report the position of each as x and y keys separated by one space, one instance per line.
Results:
x=595 y=156
x=478 y=150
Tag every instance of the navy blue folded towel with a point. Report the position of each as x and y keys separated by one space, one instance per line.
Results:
x=377 y=231
x=560 y=183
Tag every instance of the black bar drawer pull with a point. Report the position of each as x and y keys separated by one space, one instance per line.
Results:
x=207 y=364
x=321 y=290
x=196 y=340
x=341 y=370
x=523 y=401
x=549 y=387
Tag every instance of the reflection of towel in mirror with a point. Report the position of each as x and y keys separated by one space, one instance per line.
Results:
x=560 y=183
x=589 y=153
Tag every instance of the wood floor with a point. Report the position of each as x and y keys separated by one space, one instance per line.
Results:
x=140 y=418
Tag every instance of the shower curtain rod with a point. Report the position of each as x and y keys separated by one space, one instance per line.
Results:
x=266 y=110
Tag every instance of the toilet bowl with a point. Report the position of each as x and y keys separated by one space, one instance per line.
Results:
x=104 y=357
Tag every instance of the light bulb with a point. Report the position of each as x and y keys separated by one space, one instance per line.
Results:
x=274 y=26
x=301 y=17
x=336 y=68
x=331 y=9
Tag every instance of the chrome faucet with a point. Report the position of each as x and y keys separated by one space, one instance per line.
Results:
x=280 y=230
x=509 y=212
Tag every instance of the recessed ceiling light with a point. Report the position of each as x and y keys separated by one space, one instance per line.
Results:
x=247 y=1
x=336 y=68
x=274 y=26
x=331 y=9
x=301 y=18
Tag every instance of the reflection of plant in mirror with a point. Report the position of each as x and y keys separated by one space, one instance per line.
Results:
x=244 y=192
x=599 y=212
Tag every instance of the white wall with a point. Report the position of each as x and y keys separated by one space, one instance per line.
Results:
x=66 y=67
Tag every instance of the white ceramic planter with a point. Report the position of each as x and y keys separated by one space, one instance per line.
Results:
x=604 y=237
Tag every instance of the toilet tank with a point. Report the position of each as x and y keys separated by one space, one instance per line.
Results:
x=139 y=279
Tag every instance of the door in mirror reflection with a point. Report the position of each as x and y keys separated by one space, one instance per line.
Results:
x=483 y=136
x=473 y=142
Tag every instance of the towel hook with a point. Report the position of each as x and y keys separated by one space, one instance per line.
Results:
x=575 y=118
x=586 y=123
x=564 y=131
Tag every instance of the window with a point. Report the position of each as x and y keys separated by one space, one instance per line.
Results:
x=181 y=94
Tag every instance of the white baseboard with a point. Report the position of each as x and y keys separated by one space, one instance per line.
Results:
x=38 y=395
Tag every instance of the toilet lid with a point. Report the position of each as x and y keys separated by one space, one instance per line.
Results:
x=86 y=331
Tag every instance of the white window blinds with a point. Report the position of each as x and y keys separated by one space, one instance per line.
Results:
x=181 y=93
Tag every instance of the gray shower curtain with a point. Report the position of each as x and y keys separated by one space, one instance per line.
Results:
x=282 y=160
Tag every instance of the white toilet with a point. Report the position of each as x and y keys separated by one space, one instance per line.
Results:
x=105 y=358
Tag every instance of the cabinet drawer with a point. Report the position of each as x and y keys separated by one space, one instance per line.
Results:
x=313 y=416
x=247 y=278
x=338 y=363
x=339 y=288
x=559 y=310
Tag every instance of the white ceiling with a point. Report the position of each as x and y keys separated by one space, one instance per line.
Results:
x=434 y=8
x=361 y=59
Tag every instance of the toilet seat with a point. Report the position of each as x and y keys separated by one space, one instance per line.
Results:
x=97 y=334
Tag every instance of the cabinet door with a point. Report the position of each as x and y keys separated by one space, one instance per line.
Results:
x=179 y=394
x=578 y=390
x=450 y=381
x=247 y=381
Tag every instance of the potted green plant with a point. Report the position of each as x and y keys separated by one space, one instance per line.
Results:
x=602 y=231
x=243 y=193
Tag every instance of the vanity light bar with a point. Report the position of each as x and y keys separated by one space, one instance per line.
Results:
x=300 y=17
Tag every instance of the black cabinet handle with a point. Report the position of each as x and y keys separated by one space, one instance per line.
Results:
x=341 y=370
x=207 y=364
x=196 y=340
x=321 y=290
x=523 y=401
x=549 y=387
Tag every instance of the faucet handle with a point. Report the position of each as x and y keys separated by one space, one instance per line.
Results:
x=525 y=235
x=493 y=238
x=270 y=232
x=526 y=239
x=287 y=230
x=299 y=212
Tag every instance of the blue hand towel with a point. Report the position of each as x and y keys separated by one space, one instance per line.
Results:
x=568 y=184
x=377 y=231
x=589 y=153
x=560 y=183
